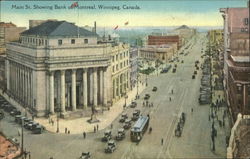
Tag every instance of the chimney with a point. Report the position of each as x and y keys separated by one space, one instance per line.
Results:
x=95 y=27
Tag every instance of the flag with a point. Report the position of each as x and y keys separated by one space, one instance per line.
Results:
x=116 y=27
x=75 y=4
x=126 y=23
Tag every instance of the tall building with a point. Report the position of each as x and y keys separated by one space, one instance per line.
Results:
x=162 y=40
x=8 y=32
x=237 y=59
x=133 y=59
x=58 y=66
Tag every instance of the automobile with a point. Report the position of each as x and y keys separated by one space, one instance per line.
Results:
x=193 y=76
x=15 y=112
x=107 y=136
x=8 y=108
x=31 y=125
x=26 y=121
x=85 y=155
x=182 y=61
x=136 y=114
x=38 y=129
x=133 y=104
x=22 y=118
x=175 y=65
x=174 y=70
x=195 y=72
x=17 y=118
x=181 y=53
x=123 y=117
x=147 y=96
x=127 y=124
x=154 y=89
x=120 y=134
x=111 y=146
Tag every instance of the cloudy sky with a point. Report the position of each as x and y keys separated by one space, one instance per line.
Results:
x=151 y=13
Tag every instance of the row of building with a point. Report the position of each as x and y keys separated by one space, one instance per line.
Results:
x=235 y=59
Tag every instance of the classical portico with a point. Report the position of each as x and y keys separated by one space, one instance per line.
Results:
x=70 y=89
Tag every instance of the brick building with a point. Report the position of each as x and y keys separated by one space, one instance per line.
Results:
x=237 y=60
x=162 y=40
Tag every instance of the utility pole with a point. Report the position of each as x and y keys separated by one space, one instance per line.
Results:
x=22 y=139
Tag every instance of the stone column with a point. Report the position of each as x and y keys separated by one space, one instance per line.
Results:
x=105 y=87
x=91 y=86
x=95 y=87
x=62 y=91
x=101 y=84
x=51 y=91
x=8 y=74
x=73 y=89
x=85 y=88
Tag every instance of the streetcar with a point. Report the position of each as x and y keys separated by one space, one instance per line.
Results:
x=139 y=128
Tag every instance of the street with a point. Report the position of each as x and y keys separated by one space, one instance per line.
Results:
x=164 y=115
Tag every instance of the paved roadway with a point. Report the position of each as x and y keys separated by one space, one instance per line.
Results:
x=195 y=140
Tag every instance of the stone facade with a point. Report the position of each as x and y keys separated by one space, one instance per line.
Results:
x=120 y=70
x=165 y=40
x=61 y=73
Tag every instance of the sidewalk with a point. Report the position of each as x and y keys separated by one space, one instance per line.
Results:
x=77 y=126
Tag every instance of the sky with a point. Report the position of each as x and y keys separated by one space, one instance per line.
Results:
x=150 y=13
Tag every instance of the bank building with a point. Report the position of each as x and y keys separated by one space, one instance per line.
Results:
x=58 y=66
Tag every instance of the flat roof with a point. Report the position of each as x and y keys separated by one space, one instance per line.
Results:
x=240 y=58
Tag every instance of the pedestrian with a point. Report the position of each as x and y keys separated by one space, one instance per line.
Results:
x=152 y=104
x=97 y=127
x=192 y=110
x=52 y=121
x=208 y=117
x=84 y=135
x=18 y=132
x=29 y=156
x=111 y=126
x=162 y=141
x=66 y=130
x=143 y=103
x=94 y=129
x=170 y=99
x=172 y=91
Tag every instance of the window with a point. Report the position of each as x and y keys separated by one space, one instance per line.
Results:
x=113 y=69
x=73 y=41
x=239 y=89
x=113 y=58
x=86 y=41
x=116 y=57
x=124 y=54
x=124 y=63
x=60 y=42
x=246 y=21
x=120 y=65
x=120 y=55
x=116 y=67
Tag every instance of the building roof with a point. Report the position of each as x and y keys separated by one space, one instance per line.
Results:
x=58 y=28
x=10 y=24
x=240 y=58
